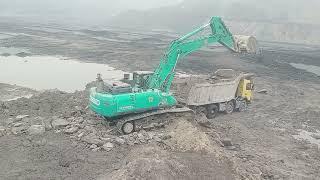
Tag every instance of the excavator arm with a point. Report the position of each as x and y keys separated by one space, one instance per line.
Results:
x=164 y=74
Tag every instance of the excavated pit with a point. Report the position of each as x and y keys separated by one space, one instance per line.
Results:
x=53 y=134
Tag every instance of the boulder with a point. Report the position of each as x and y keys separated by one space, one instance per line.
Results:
x=79 y=120
x=226 y=142
x=316 y=136
x=59 y=123
x=96 y=149
x=36 y=129
x=20 y=117
x=2 y=131
x=71 y=130
x=92 y=121
x=157 y=138
x=263 y=91
x=18 y=130
x=47 y=124
x=36 y=120
x=17 y=124
x=93 y=146
x=80 y=135
x=203 y=120
x=92 y=139
x=108 y=146
x=119 y=141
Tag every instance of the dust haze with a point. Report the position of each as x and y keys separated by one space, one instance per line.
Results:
x=103 y=11
x=85 y=11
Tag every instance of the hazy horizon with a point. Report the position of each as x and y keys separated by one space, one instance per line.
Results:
x=81 y=10
x=102 y=12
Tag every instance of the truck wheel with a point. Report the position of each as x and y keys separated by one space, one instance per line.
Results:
x=128 y=127
x=212 y=111
x=242 y=106
x=199 y=110
x=229 y=107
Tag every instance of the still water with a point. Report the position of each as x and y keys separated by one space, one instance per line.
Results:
x=309 y=68
x=46 y=72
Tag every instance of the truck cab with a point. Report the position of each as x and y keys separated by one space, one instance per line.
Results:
x=245 y=89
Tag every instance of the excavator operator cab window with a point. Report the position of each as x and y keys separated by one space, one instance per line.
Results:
x=140 y=77
x=249 y=86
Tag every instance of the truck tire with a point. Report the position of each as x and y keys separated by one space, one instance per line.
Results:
x=229 y=107
x=212 y=111
x=242 y=106
x=128 y=127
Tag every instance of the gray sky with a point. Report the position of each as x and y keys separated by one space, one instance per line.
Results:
x=69 y=6
x=76 y=11
x=100 y=11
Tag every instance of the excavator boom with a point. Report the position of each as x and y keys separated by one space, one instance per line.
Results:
x=164 y=74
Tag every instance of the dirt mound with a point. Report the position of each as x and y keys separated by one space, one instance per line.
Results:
x=154 y=163
x=187 y=137
x=48 y=103
x=186 y=154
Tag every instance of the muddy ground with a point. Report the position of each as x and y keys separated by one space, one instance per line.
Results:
x=53 y=135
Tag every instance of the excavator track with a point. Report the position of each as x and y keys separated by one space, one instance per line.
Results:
x=144 y=121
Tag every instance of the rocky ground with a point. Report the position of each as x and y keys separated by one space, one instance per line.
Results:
x=53 y=134
x=9 y=92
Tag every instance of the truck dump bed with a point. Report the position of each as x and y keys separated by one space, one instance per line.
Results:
x=221 y=87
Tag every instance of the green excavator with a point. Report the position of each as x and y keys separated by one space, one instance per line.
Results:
x=148 y=93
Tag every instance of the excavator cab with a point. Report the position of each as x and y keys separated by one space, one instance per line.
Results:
x=137 y=79
x=140 y=78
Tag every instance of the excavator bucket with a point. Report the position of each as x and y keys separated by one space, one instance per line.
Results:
x=245 y=44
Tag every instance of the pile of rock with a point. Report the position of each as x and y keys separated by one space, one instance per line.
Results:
x=23 y=124
x=108 y=142
x=91 y=131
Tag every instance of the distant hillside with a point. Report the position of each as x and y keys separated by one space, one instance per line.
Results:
x=85 y=12
x=273 y=20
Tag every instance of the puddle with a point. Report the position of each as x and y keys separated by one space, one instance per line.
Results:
x=182 y=75
x=4 y=36
x=309 y=68
x=18 y=97
x=308 y=136
x=46 y=72
x=12 y=50
x=47 y=29
x=102 y=38
x=110 y=39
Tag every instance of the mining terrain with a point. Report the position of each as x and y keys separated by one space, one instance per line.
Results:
x=51 y=134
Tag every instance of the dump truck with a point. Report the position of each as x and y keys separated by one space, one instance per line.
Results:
x=225 y=91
